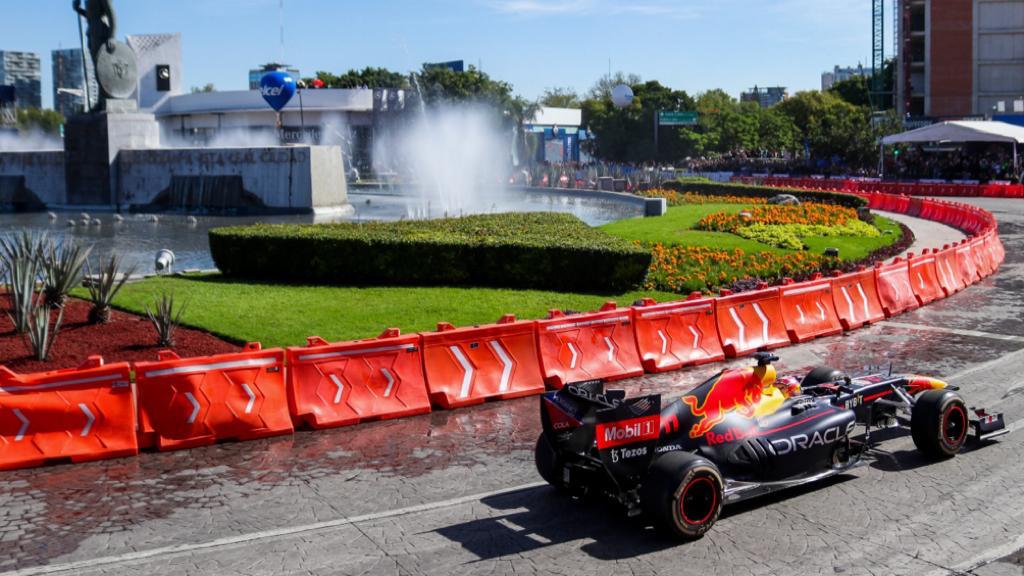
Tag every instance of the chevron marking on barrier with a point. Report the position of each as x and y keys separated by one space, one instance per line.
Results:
x=467 y=370
x=507 y=364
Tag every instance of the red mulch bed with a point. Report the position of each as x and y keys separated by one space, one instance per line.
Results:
x=127 y=337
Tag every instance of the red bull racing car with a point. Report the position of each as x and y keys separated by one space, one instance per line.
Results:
x=742 y=433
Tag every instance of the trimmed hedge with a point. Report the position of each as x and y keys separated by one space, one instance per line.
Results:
x=710 y=188
x=526 y=250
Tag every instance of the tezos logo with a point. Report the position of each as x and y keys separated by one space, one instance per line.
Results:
x=626 y=453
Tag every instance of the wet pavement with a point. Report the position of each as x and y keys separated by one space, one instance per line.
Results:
x=456 y=492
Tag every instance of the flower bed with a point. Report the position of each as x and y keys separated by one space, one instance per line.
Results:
x=678 y=198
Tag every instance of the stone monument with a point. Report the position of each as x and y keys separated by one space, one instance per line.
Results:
x=93 y=140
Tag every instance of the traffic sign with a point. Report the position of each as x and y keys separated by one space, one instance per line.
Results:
x=677 y=118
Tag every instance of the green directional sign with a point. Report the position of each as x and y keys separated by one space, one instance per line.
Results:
x=677 y=118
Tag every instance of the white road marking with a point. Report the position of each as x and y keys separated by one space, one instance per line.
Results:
x=82 y=565
x=252 y=398
x=24 y=425
x=89 y=419
x=957 y=331
x=664 y=341
x=467 y=370
x=390 y=379
x=507 y=364
x=341 y=388
x=195 y=407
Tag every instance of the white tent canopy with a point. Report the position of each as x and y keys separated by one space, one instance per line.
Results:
x=961 y=131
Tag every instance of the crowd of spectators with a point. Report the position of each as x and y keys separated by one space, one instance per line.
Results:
x=974 y=163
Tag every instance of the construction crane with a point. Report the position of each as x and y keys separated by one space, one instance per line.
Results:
x=881 y=97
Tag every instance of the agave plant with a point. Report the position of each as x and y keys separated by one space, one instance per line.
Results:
x=25 y=245
x=165 y=318
x=22 y=274
x=62 y=270
x=104 y=285
x=41 y=334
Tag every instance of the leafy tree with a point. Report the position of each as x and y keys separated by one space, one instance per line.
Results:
x=47 y=121
x=603 y=87
x=834 y=130
x=368 y=77
x=855 y=90
x=209 y=87
x=560 y=98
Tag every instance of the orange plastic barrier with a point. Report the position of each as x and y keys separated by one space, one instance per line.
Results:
x=350 y=382
x=82 y=414
x=808 y=309
x=948 y=270
x=982 y=257
x=585 y=346
x=671 y=335
x=465 y=366
x=894 y=290
x=855 y=296
x=966 y=263
x=750 y=321
x=924 y=278
x=188 y=402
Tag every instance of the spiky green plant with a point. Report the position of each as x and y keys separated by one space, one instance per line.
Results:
x=63 y=266
x=41 y=333
x=22 y=245
x=104 y=285
x=22 y=275
x=166 y=318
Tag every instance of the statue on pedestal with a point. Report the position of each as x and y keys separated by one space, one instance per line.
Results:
x=114 y=62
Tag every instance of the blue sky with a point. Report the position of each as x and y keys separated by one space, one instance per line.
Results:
x=693 y=45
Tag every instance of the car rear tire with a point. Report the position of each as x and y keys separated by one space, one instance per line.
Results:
x=939 y=423
x=549 y=465
x=683 y=494
x=822 y=375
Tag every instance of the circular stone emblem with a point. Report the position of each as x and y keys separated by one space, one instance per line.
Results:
x=116 y=70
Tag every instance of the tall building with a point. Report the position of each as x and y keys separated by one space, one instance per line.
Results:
x=257 y=73
x=159 y=61
x=842 y=74
x=69 y=81
x=765 y=97
x=22 y=70
x=959 y=58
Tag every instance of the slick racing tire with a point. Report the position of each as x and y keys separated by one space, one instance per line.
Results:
x=549 y=465
x=683 y=494
x=939 y=423
x=822 y=375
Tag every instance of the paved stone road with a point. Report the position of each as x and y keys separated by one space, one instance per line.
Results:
x=456 y=492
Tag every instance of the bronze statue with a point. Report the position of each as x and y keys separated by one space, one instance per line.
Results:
x=114 y=62
x=102 y=24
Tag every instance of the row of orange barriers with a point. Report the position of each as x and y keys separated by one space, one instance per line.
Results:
x=103 y=411
x=896 y=188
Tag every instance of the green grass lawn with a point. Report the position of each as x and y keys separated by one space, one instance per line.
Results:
x=676 y=227
x=284 y=315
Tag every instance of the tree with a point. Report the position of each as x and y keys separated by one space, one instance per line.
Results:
x=627 y=135
x=603 y=87
x=368 y=77
x=202 y=89
x=855 y=90
x=560 y=98
x=47 y=121
x=834 y=131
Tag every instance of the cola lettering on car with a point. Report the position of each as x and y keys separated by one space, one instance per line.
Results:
x=631 y=431
x=831 y=435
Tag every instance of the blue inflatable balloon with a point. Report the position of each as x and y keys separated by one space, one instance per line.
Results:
x=277 y=89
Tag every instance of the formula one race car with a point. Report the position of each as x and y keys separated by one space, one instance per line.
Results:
x=741 y=434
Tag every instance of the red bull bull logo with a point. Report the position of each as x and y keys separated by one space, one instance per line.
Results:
x=733 y=392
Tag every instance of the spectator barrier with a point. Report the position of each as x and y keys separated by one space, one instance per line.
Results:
x=188 y=402
x=855 y=296
x=90 y=412
x=808 y=309
x=894 y=290
x=350 y=382
x=465 y=366
x=750 y=321
x=82 y=414
x=576 y=347
x=671 y=335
